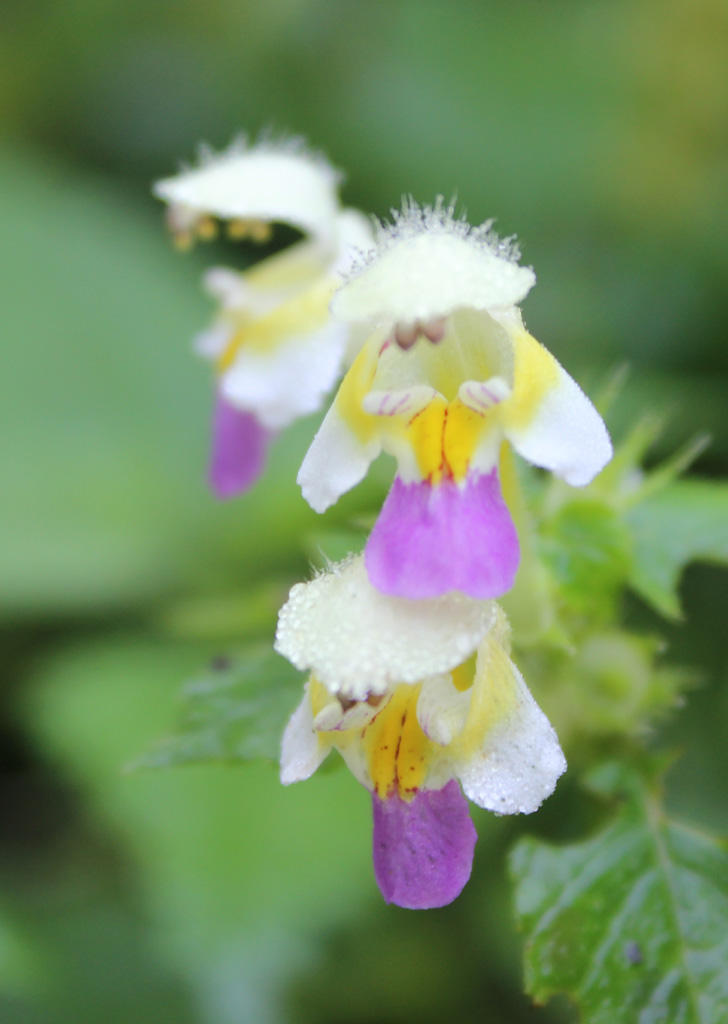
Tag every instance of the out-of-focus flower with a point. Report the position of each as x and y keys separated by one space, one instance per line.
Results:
x=420 y=698
x=447 y=375
x=276 y=351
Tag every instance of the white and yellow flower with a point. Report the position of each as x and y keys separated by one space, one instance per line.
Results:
x=448 y=373
x=420 y=698
x=275 y=349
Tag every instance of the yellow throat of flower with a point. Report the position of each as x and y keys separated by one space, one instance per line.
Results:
x=444 y=436
x=398 y=752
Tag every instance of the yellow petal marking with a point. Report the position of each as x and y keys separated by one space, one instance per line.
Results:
x=425 y=433
x=464 y=429
x=303 y=314
x=444 y=436
x=354 y=388
x=494 y=694
x=320 y=697
x=535 y=373
x=398 y=752
x=463 y=675
x=297 y=267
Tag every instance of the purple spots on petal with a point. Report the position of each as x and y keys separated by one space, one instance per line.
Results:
x=429 y=540
x=239 y=445
x=423 y=849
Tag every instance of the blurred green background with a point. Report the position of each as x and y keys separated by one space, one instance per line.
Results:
x=598 y=132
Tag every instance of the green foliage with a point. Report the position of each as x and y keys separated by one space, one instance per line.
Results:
x=588 y=549
x=684 y=522
x=236 y=712
x=232 y=867
x=103 y=502
x=631 y=923
x=195 y=896
x=613 y=686
x=629 y=528
x=21 y=967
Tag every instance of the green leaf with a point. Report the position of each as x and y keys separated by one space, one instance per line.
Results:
x=587 y=549
x=22 y=970
x=235 y=712
x=106 y=413
x=686 y=521
x=631 y=923
x=234 y=873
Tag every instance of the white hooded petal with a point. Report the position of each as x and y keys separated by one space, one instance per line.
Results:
x=358 y=641
x=428 y=264
x=301 y=751
x=289 y=380
x=336 y=461
x=518 y=763
x=564 y=433
x=279 y=182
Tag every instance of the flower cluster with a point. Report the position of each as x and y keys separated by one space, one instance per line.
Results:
x=408 y=655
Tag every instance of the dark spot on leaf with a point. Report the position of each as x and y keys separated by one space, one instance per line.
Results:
x=633 y=953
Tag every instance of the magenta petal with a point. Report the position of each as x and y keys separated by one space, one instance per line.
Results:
x=423 y=849
x=239 y=446
x=429 y=540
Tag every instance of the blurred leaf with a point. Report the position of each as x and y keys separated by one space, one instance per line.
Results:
x=685 y=522
x=22 y=970
x=587 y=549
x=325 y=547
x=233 y=869
x=105 y=412
x=236 y=712
x=612 y=686
x=92 y=315
x=632 y=923
x=235 y=617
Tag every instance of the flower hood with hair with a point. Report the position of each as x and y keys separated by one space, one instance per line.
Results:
x=448 y=373
x=276 y=351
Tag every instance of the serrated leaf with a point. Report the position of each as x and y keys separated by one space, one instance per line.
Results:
x=235 y=712
x=685 y=522
x=633 y=923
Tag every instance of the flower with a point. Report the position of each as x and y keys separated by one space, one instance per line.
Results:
x=276 y=351
x=447 y=375
x=420 y=698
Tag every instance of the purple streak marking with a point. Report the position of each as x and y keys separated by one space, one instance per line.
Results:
x=429 y=540
x=423 y=849
x=397 y=405
x=239 y=446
